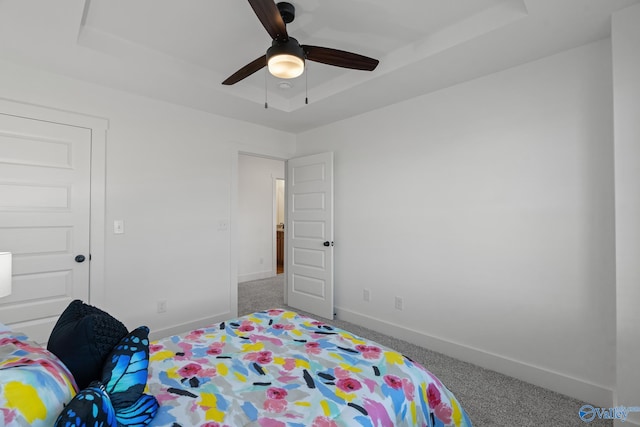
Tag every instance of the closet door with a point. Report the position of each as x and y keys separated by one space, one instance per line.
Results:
x=45 y=181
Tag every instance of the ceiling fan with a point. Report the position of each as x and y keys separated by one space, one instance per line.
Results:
x=285 y=58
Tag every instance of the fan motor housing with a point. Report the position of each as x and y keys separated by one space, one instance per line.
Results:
x=290 y=47
x=287 y=11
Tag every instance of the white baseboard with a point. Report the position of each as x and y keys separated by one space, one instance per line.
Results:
x=256 y=276
x=578 y=389
x=188 y=326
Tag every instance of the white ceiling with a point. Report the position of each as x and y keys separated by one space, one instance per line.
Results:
x=181 y=50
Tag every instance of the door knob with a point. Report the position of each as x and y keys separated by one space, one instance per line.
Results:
x=80 y=258
x=328 y=243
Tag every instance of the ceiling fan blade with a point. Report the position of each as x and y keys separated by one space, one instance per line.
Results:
x=246 y=71
x=340 y=58
x=269 y=15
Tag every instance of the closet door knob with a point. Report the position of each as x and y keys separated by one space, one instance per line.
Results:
x=80 y=258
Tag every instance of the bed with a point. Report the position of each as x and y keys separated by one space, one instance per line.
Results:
x=277 y=368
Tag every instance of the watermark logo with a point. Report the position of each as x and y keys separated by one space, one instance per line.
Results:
x=589 y=413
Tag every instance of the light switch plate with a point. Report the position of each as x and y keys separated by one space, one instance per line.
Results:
x=118 y=226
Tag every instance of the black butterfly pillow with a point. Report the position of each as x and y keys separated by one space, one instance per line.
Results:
x=82 y=338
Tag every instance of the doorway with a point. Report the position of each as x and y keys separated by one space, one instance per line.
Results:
x=313 y=292
x=260 y=213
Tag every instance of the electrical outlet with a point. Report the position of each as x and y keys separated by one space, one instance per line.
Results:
x=118 y=226
x=162 y=306
x=399 y=303
x=366 y=295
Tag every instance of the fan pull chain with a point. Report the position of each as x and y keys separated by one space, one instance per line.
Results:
x=306 y=89
x=266 y=104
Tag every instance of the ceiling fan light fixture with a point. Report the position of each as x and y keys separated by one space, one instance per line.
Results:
x=285 y=60
x=286 y=66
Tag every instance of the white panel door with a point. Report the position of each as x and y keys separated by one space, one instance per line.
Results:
x=44 y=219
x=310 y=234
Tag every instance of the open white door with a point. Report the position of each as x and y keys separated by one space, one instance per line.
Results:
x=309 y=233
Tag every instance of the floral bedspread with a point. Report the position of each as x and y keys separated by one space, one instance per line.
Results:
x=281 y=369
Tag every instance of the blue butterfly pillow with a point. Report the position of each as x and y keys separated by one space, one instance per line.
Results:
x=118 y=398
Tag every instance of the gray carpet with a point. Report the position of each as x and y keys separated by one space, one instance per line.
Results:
x=490 y=398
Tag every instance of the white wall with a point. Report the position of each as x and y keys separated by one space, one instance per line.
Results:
x=626 y=79
x=170 y=175
x=489 y=208
x=257 y=216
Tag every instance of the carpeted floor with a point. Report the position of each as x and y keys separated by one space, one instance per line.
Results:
x=490 y=398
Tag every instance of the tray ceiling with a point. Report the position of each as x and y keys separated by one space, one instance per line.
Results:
x=180 y=51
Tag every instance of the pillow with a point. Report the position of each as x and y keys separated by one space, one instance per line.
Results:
x=82 y=338
x=118 y=398
x=34 y=384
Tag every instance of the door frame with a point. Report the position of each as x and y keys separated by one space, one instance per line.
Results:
x=98 y=127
